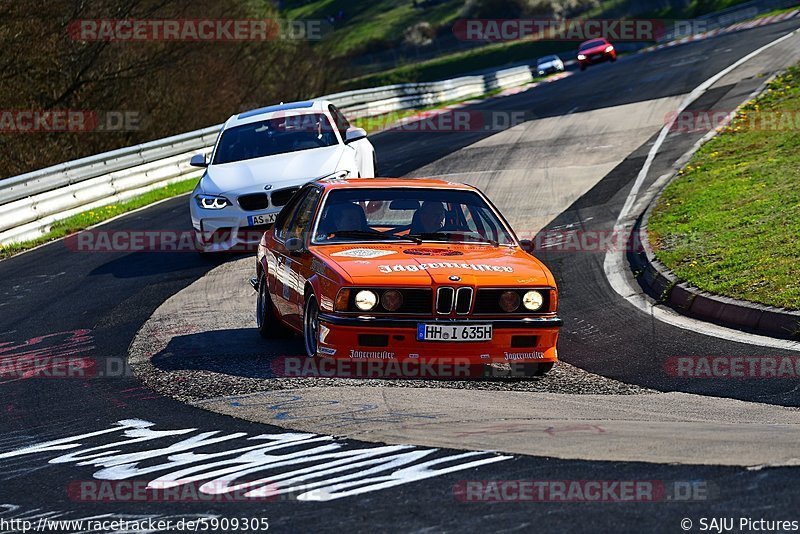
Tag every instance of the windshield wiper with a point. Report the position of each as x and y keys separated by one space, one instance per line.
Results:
x=375 y=235
x=445 y=236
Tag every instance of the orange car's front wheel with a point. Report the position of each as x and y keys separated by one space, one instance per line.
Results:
x=311 y=325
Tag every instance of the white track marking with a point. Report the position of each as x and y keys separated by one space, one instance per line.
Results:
x=691 y=97
x=614 y=265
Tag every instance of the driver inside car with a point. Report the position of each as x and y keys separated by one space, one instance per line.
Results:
x=342 y=217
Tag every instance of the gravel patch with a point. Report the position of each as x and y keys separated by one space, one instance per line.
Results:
x=201 y=344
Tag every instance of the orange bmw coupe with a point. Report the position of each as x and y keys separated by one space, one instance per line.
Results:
x=405 y=270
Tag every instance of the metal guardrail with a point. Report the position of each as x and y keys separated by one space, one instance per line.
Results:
x=31 y=202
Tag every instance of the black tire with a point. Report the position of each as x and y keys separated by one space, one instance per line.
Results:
x=583 y=67
x=544 y=368
x=267 y=322
x=529 y=370
x=311 y=325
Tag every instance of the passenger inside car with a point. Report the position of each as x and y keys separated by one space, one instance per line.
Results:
x=428 y=219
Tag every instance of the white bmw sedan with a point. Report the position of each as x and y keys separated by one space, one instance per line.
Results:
x=548 y=65
x=261 y=158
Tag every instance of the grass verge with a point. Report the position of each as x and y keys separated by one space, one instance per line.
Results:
x=729 y=224
x=85 y=219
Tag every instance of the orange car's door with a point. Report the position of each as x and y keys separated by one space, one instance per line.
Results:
x=279 y=282
x=292 y=265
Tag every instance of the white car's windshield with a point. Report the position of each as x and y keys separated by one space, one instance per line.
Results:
x=280 y=135
x=413 y=214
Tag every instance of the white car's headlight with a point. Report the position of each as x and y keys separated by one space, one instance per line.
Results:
x=211 y=202
x=533 y=300
x=338 y=175
x=366 y=300
x=581 y=56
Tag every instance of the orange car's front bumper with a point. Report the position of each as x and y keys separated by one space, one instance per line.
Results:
x=528 y=340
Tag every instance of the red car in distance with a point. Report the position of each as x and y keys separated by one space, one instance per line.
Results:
x=595 y=51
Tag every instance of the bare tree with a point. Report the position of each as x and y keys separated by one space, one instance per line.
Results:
x=174 y=86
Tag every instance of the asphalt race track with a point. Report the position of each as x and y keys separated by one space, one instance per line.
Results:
x=58 y=302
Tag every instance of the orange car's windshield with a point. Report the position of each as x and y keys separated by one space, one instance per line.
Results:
x=390 y=214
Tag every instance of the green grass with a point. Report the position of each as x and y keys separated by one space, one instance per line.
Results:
x=729 y=224
x=367 y=23
x=776 y=12
x=371 y=25
x=85 y=219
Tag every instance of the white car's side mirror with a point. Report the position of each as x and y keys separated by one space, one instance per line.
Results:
x=354 y=134
x=198 y=160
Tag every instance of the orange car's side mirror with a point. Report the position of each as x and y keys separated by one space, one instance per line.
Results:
x=527 y=245
x=294 y=245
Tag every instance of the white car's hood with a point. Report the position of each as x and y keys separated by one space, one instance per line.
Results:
x=281 y=170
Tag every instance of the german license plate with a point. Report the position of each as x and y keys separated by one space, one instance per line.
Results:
x=258 y=220
x=454 y=332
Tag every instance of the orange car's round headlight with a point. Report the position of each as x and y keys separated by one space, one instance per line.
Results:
x=366 y=300
x=533 y=300
x=391 y=300
x=509 y=301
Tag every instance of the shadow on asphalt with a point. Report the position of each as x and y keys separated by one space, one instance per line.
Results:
x=237 y=351
x=144 y=264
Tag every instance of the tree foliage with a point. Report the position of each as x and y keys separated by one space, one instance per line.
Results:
x=172 y=86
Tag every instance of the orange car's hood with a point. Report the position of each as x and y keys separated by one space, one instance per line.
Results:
x=434 y=263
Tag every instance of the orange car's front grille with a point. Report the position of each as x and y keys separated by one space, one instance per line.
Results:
x=449 y=299
x=444 y=300
x=463 y=300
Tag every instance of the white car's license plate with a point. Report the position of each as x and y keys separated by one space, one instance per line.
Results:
x=257 y=220
x=454 y=332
